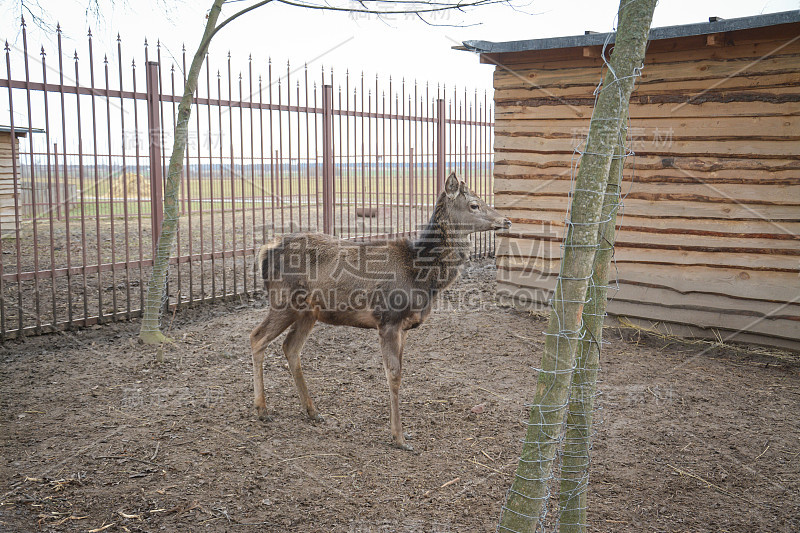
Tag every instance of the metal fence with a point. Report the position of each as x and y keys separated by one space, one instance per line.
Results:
x=350 y=156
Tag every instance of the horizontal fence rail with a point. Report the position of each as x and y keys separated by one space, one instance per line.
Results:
x=85 y=147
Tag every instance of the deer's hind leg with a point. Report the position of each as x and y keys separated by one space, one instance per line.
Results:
x=291 y=348
x=274 y=324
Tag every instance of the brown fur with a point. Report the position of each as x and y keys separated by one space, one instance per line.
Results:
x=388 y=285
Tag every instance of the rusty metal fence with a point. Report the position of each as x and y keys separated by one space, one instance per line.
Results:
x=81 y=180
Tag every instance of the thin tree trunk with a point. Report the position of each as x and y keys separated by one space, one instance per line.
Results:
x=150 y=332
x=527 y=496
x=578 y=435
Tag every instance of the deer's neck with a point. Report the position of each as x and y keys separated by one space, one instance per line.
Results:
x=441 y=250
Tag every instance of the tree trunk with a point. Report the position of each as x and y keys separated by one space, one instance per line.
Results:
x=578 y=435
x=150 y=332
x=527 y=497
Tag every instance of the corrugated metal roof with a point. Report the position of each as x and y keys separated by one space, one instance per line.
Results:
x=666 y=32
x=21 y=131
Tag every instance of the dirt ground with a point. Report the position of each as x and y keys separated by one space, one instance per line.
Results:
x=96 y=435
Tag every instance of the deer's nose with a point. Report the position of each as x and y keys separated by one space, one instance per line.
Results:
x=503 y=224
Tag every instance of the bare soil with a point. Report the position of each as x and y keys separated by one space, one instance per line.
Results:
x=95 y=434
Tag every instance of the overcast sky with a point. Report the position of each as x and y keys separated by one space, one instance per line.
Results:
x=397 y=45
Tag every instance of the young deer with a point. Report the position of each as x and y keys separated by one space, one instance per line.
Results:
x=388 y=285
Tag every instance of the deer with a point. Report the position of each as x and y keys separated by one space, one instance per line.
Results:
x=389 y=285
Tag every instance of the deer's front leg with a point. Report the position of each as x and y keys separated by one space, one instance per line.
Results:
x=392 y=341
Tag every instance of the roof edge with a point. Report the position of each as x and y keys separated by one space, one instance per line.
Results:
x=664 y=32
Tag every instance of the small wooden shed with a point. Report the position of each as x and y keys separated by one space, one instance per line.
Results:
x=708 y=245
x=7 y=165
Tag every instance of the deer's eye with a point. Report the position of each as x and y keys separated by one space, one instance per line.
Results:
x=474 y=207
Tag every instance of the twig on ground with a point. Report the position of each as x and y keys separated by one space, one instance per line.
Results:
x=712 y=485
x=128 y=458
x=304 y=457
x=428 y=493
x=485 y=466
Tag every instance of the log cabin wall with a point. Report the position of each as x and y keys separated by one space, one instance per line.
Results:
x=7 y=164
x=708 y=244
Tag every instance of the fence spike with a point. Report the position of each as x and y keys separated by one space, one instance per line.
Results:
x=42 y=53
x=22 y=23
x=58 y=27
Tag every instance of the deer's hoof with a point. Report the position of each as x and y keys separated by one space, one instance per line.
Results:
x=403 y=446
x=262 y=414
x=316 y=417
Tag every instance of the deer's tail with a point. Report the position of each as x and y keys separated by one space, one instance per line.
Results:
x=264 y=256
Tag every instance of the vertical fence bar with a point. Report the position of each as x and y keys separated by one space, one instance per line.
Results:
x=441 y=147
x=111 y=196
x=154 y=140
x=16 y=194
x=125 y=210
x=327 y=159
x=32 y=174
x=96 y=174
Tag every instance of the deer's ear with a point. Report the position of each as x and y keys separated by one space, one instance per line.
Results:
x=451 y=186
x=463 y=188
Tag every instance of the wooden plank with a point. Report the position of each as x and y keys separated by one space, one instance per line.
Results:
x=551 y=222
x=688 y=164
x=685 y=128
x=717 y=303
x=632 y=290
x=630 y=236
x=526 y=253
x=703 y=317
x=682 y=330
x=668 y=175
x=550 y=245
x=666 y=145
x=507 y=202
x=700 y=192
x=776 y=287
x=785 y=329
x=687 y=70
x=637 y=110
x=719 y=89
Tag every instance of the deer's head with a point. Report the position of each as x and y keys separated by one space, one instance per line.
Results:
x=467 y=212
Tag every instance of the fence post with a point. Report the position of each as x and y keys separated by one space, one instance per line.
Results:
x=441 y=145
x=154 y=140
x=327 y=159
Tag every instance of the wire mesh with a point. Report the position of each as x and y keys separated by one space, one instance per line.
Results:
x=555 y=475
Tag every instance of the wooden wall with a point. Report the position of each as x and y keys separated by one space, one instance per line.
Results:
x=708 y=245
x=7 y=183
